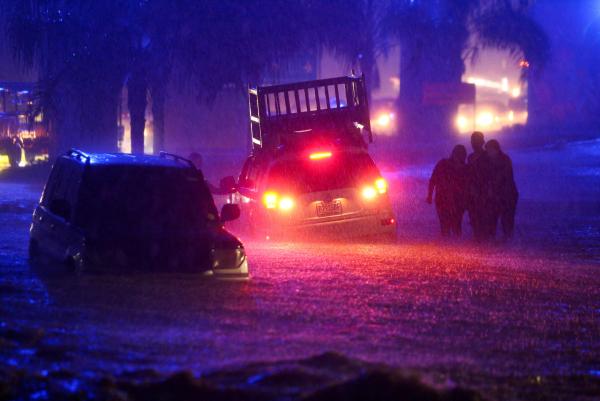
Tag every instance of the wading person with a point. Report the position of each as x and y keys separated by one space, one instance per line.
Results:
x=198 y=161
x=503 y=189
x=196 y=158
x=478 y=189
x=448 y=181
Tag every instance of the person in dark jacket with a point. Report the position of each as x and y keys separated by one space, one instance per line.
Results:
x=504 y=194
x=478 y=189
x=14 y=151
x=198 y=161
x=448 y=181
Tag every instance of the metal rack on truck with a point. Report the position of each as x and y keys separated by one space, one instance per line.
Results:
x=335 y=108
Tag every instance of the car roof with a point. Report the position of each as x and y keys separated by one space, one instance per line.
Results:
x=127 y=159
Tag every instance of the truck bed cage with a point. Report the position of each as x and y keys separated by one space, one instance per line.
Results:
x=336 y=106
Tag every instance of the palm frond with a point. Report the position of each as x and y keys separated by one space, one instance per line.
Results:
x=504 y=28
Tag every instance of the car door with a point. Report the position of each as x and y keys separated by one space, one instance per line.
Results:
x=44 y=223
x=58 y=209
x=245 y=184
x=252 y=189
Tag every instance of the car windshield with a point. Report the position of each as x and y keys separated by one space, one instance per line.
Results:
x=325 y=172
x=146 y=200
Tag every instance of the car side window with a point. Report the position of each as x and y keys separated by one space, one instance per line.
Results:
x=54 y=180
x=249 y=175
x=73 y=185
x=64 y=184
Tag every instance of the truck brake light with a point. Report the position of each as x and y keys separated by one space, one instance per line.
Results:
x=286 y=203
x=369 y=192
x=270 y=199
x=319 y=155
x=381 y=185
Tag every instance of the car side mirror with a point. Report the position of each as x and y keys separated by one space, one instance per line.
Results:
x=228 y=185
x=61 y=208
x=229 y=212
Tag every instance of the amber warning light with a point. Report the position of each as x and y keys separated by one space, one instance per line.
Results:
x=319 y=155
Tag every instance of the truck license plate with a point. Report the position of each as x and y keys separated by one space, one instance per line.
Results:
x=329 y=208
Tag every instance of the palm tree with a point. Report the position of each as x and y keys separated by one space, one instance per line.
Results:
x=67 y=43
x=353 y=31
x=153 y=31
x=233 y=43
x=435 y=38
x=501 y=26
x=432 y=38
x=164 y=31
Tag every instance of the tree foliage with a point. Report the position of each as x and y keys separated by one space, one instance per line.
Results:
x=437 y=37
x=353 y=31
x=501 y=26
x=87 y=50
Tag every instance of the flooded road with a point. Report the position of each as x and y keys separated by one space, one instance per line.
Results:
x=507 y=320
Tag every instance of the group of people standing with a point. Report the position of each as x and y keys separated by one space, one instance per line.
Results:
x=482 y=184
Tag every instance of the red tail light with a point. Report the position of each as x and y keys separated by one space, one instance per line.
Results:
x=286 y=203
x=273 y=200
x=270 y=199
x=381 y=185
x=369 y=192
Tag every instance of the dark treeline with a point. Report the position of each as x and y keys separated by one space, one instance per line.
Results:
x=87 y=51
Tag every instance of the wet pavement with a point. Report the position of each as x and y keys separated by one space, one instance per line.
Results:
x=511 y=321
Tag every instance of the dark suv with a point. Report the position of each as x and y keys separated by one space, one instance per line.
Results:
x=134 y=212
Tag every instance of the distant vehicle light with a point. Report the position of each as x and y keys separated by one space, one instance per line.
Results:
x=485 y=119
x=270 y=199
x=381 y=185
x=286 y=203
x=462 y=122
x=384 y=119
x=369 y=193
x=320 y=155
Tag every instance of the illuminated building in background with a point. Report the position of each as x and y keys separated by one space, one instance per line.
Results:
x=23 y=136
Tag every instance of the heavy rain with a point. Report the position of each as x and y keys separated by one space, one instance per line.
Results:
x=285 y=200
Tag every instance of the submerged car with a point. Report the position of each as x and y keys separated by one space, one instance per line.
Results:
x=129 y=212
x=310 y=173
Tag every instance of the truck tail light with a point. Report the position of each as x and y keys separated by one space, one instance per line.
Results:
x=270 y=199
x=381 y=185
x=286 y=203
x=369 y=192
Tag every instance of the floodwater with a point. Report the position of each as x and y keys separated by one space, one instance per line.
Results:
x=509 y=321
